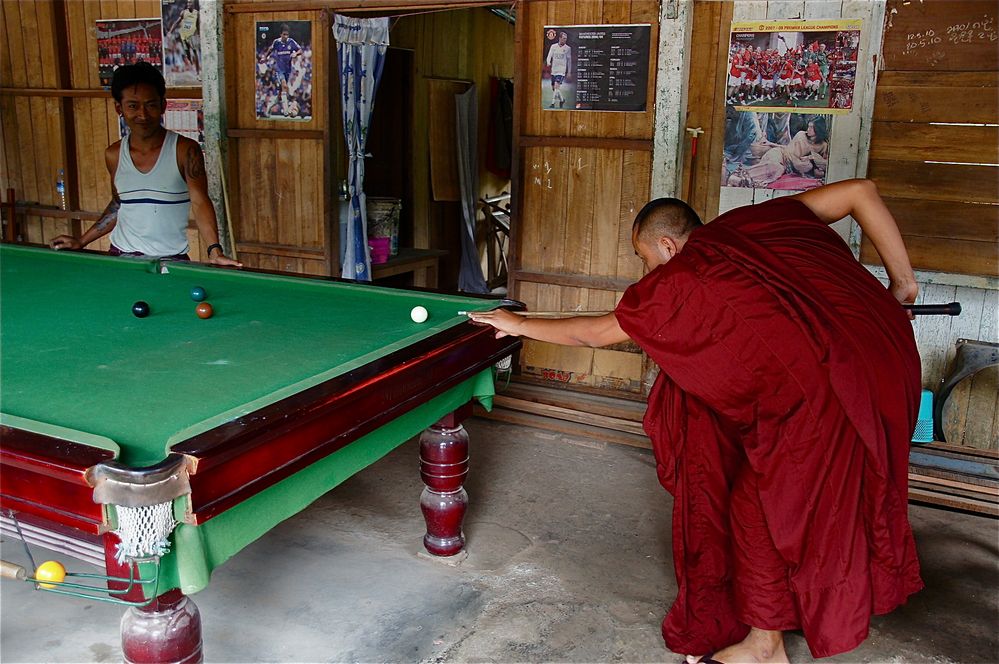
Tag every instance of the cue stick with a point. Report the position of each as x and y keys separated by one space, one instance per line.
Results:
x=541 y=314
x=225 y=198
x=12 y=571
x=951 y=309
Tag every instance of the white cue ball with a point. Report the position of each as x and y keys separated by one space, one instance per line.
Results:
x=419 y=314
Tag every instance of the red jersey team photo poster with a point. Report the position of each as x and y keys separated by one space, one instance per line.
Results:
x=127 y=42
x=786 y=80
x=793 y=65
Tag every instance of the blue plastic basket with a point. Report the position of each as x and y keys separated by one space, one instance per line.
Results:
x=924 y=423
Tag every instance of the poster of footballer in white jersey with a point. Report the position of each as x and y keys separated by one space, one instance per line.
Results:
x=595 y=67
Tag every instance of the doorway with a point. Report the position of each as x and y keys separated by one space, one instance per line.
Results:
x=388 y=171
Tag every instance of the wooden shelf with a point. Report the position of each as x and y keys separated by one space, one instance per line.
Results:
x=423 y=263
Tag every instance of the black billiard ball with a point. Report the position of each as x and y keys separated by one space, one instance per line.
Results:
x=140 y=309
x=198 y=294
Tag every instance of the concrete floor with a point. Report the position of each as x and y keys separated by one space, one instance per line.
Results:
x=568 y=561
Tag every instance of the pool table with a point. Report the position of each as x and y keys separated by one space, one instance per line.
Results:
x=238 y=421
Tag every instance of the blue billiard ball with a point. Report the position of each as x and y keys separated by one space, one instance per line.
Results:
x=198 y=294
x=140 y=309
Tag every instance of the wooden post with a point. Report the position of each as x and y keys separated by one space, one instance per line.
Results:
x=10 y=207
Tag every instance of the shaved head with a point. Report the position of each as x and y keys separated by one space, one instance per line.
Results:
x=665 y=217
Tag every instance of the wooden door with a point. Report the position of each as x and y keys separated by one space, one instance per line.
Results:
x=580 y=177
x=279 y=174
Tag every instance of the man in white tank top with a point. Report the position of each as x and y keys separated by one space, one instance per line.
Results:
x=157 y=178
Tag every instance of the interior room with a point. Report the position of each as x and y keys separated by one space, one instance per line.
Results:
x=281 y=278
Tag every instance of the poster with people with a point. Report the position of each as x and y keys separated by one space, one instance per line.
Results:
x=283 y=77
x=786 y=151
x=595 y=67
x=785 y=65
x=127 y=42
x=187 y=118
x=184 y=116
x=181 y=42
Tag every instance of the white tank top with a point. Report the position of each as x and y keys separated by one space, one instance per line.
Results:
x=155 y=206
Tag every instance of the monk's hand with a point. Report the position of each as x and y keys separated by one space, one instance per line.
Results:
x=905 y=291
x=506 y=323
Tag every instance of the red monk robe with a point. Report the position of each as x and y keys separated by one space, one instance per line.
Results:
x=780 y=421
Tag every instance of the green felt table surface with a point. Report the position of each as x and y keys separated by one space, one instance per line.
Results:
x=74 y=357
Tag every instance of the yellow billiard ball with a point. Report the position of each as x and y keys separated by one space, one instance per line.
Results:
x=50 y=570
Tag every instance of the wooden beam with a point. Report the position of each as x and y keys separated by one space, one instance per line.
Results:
x=944 y=255
x=574 y=280
x=569 y=414
x=516 y=162
x=179 y=93
x=937 y=79
x=10 y=206
x=565 y=427
x=284 y=250
x=716 y=131
x=56 y=213
x=917 y=141
x=963 y=450
x=72 y=166
x=640 y=144
x=357 y=6
x=947 y=220
x=921 y=495
x=314 y=134
x=942 y=182
x=983 y=492
x=943 y=103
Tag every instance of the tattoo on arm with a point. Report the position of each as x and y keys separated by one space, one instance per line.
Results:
x=195 y=163
x=109 y=216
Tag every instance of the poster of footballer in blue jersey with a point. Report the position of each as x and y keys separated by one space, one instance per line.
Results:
x=284 y=70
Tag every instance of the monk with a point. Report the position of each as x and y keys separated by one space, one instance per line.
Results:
x=780 y=420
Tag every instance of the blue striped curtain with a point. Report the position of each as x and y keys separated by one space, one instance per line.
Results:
x=361 y=46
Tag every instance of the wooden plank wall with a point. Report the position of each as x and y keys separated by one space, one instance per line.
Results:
x=845 y=143
x=280 y=179
x=582 y=177
x=280 y=174
x=706 y=105
x=464 y=44
x=937 y=102
x=54 y=114
x=935 y=143
x=906 y=101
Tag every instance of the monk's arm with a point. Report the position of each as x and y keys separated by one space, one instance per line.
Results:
x=593 y=331
x=860 y=199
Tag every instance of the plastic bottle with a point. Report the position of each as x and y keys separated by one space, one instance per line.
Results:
x=61 y=189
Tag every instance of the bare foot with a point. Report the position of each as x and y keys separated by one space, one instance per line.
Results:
x=760 y=647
